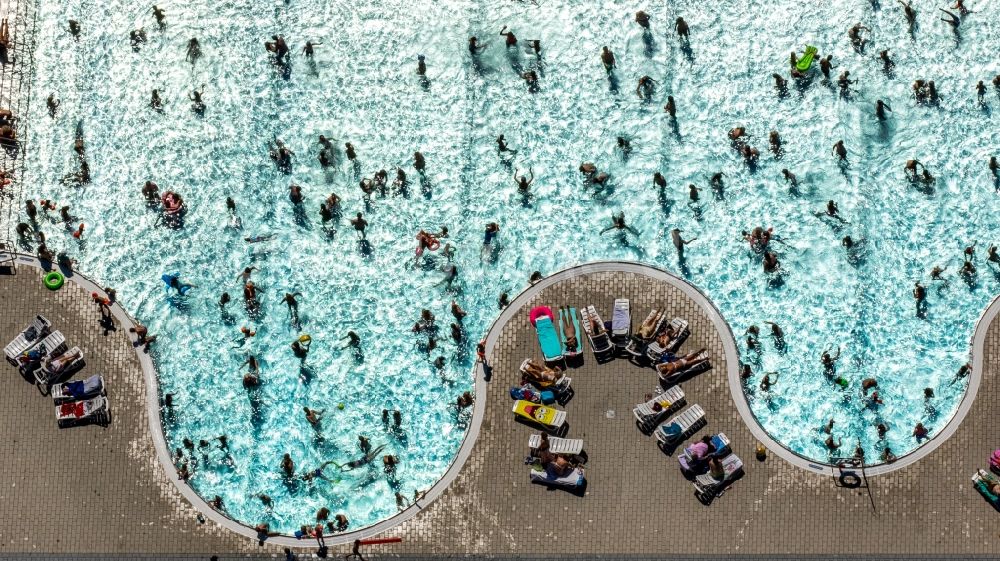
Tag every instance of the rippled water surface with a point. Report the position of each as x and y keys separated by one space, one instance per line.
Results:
x=362 y=88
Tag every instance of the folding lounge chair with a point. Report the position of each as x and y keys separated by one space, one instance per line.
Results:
x=707 y=487
x=80 y=412
x=542 y=415
x=559 y=386
x=53 y=345
x=570 y=314
x=681 y=332
x=674 y=377
x=681 y=426
x=621 y=323
x=545 y=476
x=600 y=342
x=689 y=464
x=548 y=340
x=52 y=368
x=557 y=445
x=78 y=390
x=646 y=414
x=35 y=332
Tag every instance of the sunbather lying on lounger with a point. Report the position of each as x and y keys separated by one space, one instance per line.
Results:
x=541 y=373
x=683 y=363
x=646 y=329
x=668 y=335
x=572 y=345
x=58 y=364
x=556 y=464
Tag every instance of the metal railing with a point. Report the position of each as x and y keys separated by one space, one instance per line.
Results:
x=15 y=95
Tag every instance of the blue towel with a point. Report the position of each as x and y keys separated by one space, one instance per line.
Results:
x=548 y=339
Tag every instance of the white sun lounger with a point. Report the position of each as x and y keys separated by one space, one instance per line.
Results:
x=674 y=377
x=574 y=478
x=78 y=389
x=681 y=426
x=557 y=445
x=707 y=487
x=681 y=332
x=600 y=343
x=560 y=385
x=621 y=323
x=79 y=412
x=35 y=332
x=647 y=417
x=52 y=345
x=637 y=346
x=48 y=372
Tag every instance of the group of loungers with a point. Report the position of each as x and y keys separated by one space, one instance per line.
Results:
x=43 y=358
x=709 y=462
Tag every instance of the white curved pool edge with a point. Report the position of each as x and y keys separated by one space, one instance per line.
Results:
x=733 y=362
x=493 y=334
x=163 y=453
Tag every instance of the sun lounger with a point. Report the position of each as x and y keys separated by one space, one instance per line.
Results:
x=78 y=389
x=539 y=414
x=52 y=345
x=546 y=476
x=681 y=426
x=548 y=339
x=35 y=332
x=681 y=332
x=690 y=464
x=560 y=385
x=621 y=323
x=79 y=412
x=637 y=346
x=557 y=445
x=707 y=487
x=52 y=368
x=675 y=377
x=649 y=414
x=570 y=314
x=599 y=342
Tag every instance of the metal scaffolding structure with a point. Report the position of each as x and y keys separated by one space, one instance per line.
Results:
x=15 y=95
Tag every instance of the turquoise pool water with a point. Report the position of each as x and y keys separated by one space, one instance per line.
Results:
x=362 y=88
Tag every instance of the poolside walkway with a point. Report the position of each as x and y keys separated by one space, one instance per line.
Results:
x=106 y=484
x=86 y=489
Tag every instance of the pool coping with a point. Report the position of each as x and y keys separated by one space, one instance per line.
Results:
x=163 y=454
x=733 y=364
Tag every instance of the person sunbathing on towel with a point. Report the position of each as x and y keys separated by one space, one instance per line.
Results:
x=558 y=465
x=682 y=363
x=648 y=325
x=541 y=373
x=567 y=326
x=58 y=364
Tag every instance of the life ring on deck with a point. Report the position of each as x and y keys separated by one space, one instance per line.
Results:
x=53 y=280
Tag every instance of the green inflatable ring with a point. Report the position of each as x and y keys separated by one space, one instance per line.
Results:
x=54 y=280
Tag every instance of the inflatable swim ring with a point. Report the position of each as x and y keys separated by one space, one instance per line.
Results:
x=540 y=311
x=53 y=280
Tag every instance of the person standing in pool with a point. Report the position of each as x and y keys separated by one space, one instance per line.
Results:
x=293 y=306
x=679 y=242
x=642 y=18
x=840 y=151
x=607 y=59
x=161 y=16
x=524 y=182
x=360 y=224
x=681 y=27
x=829 y=362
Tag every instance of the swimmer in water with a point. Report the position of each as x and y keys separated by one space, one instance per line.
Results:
x=74 y=29
x=53 y=104
x=840 y=151
x=193 y=51
x=258 y=239
x=825 y=65
x=678 y=241
x=474 y=47
x=909 y=12
x=510 y=39
x=607 y=59
x=671 y=108
x=642 y=18
x=646 y=87
x=524 y=183
x=880 y=107
x=310 y=48
x=618 y=223
x=161 y=17
x=365 y=460
x=887 y=63
x=681 y=27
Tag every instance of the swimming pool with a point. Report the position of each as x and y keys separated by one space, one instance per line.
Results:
x=362 y=88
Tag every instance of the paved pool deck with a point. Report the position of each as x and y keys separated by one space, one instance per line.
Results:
x=96 y=490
